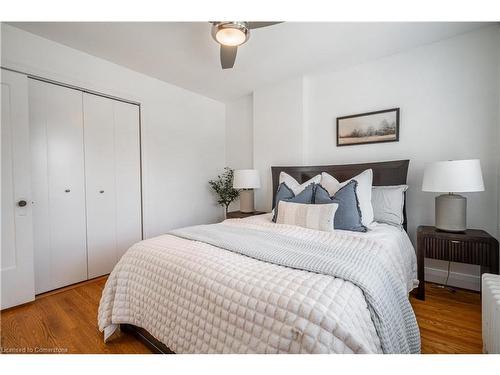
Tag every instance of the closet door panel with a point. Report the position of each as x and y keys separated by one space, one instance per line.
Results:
x=128 y=181
x=100 y=184
x=66 y=185
x=58 y=185
x=40 y=184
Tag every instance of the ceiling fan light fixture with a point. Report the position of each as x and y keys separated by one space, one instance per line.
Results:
x=230 y=37
x=230 y=33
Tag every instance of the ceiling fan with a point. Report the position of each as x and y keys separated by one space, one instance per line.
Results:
x=230 y=35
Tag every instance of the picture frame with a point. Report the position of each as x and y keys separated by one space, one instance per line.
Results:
x=368 y=128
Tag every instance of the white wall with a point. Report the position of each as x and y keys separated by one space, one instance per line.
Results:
x=239 y=136
x=239 y=132
x=498 y=153
x=183 y=133
x=278 y=132
x=448 y=93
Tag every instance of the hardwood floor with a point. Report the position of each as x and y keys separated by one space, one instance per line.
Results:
x=449 y=322
x=66 y=321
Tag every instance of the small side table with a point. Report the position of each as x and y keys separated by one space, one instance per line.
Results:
x=242 y=215
x=472 y=247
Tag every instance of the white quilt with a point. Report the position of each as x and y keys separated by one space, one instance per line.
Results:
x=197 y=298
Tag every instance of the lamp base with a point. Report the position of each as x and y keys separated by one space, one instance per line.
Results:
x=451 y=210
x=247 y=201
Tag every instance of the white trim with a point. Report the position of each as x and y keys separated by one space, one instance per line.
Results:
x=459 y=280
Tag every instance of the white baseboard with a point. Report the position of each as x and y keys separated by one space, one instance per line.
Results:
x=459 y=280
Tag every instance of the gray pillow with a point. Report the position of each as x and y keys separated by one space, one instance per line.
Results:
x=284 y=193
x=348 y=215
x=388 y=203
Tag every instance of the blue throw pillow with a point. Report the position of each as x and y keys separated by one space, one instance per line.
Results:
x=348 y=215
x=284 y=193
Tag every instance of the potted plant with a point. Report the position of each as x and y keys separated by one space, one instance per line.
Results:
x=223 y=187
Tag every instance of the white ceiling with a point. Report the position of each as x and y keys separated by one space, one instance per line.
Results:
x=184 y=54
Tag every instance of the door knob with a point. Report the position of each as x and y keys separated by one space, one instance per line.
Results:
x=67 y=190
x=101 y=191
x=22 y=203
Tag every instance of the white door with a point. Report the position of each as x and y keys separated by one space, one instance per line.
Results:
x=112 y=168
x=58 y=180
x=17 y=238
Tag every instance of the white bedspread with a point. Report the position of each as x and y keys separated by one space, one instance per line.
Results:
x=197 y=298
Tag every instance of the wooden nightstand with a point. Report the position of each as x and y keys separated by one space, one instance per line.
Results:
x=471 y=247
x=242 y=215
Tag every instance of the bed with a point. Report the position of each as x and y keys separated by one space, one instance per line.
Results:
x=190 y=296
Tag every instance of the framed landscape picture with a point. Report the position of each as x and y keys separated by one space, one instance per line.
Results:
x=371 y=127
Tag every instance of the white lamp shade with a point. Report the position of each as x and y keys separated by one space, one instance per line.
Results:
x=453 y=176
x=246 y=179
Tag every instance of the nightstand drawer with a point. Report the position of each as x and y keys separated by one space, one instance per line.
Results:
x=471 y=252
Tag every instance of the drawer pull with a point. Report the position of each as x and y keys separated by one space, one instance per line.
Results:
x=453 y=241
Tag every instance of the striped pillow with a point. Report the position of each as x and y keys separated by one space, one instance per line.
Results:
x=312 y=216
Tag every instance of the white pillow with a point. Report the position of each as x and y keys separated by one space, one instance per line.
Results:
x=312 y=216
x=363 y=191
x=294 y=185
x=388 y=203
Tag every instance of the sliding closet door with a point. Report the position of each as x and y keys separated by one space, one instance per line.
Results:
x=112 y=167
x=56 y=131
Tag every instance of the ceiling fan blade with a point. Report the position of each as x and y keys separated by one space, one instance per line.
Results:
x=227 y=56
x=256 y=25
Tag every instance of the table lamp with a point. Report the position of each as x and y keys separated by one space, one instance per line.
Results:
x=246 y=180
x=453 y=176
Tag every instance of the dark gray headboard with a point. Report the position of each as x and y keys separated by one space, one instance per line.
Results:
x=385 y=173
